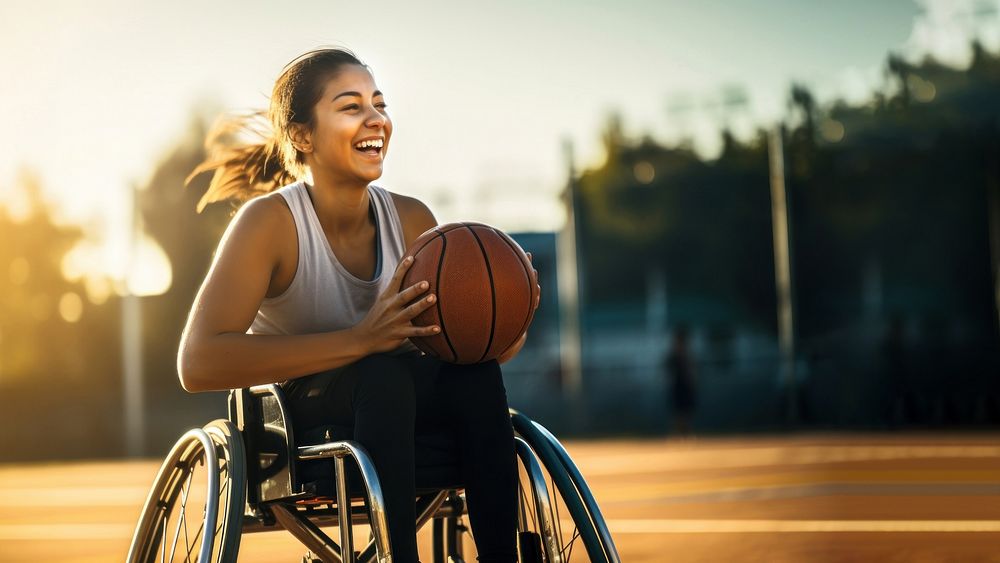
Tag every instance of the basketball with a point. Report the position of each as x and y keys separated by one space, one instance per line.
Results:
x=484 y=288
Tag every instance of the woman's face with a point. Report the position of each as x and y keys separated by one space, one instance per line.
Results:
x=351 y=131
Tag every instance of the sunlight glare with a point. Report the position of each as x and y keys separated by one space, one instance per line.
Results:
x=105 y=269
x=150 y=273
x=70 y=307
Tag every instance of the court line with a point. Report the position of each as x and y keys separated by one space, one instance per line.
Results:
x=74 y=532
x=627 y=491
x=813 y=490
x=74 y=496
x=78 y=532
x=680 y=459
x=669 y=526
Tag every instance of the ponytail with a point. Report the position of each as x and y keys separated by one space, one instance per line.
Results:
x=242 y=170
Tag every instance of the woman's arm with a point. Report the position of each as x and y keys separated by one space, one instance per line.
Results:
x=217 y=354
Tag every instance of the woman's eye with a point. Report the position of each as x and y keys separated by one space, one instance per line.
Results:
x=352 y=106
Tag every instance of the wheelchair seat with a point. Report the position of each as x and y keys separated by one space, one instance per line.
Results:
x=438 y=464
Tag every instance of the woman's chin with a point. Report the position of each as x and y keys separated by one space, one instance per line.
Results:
x=372 y=172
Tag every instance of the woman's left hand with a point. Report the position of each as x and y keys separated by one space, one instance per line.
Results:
x=534 y=278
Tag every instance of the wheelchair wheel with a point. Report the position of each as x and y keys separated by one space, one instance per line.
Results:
x=558 y=492
x=194 y=510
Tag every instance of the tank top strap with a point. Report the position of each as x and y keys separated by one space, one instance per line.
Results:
x=391 y=236
x=311 y=247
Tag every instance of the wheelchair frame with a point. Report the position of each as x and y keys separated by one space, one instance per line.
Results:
x=262 y=491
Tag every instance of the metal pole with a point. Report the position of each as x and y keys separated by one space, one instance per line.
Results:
x=569 y=288
x=782 y=269
x=131 y=322
x=993 y=219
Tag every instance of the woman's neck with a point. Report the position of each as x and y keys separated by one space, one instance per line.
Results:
x=342 y=208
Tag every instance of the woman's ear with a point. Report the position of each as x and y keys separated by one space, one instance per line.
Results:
x=300 y=137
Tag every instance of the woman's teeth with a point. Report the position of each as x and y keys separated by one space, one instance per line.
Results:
x=373 y=146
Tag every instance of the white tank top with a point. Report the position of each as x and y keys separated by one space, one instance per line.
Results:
x=323 y=295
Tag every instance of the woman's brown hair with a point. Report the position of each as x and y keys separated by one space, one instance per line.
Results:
x=244 y=170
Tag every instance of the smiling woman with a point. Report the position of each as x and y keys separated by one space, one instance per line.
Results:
x=306 y=291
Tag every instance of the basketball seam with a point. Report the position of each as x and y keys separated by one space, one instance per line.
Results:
x=413 y=251
x=493 y=293
x=531 y=290
x=444 y=245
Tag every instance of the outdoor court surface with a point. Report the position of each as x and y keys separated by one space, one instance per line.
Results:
x=800 y=498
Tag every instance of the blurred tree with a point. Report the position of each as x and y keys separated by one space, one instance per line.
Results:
x=32 y=286
x=645 y=208
x=55 y=346
x=188 y=239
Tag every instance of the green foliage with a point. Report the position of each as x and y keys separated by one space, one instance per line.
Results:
x=898 y=184
x=706 y=223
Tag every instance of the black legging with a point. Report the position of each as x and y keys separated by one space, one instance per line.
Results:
x=387 y=400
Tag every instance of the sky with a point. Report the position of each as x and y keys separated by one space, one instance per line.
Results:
x=483 y=96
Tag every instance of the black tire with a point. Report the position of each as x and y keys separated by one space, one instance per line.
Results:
x=233 y=455
x=211 y=461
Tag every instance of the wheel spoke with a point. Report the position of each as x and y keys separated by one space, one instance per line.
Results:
x=572 y=542
x=220 y=530
x=555 y=504
x=181 y=519
x=163 y=539
x=531 y=510
x=187 y=541
x=196 y=536
x=173 y=544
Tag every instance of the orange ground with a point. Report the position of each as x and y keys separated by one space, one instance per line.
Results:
x=802 y=498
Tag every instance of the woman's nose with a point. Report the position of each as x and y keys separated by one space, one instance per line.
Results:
x=375 y=118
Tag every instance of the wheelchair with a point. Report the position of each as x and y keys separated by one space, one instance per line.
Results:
x=249 y=474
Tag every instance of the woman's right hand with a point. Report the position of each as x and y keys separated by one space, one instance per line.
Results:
x=388 y=322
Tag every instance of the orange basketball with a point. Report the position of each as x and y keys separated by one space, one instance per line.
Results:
x=485 y=293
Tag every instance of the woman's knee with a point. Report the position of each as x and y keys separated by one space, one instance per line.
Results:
x=477 y=389
x=484 y=377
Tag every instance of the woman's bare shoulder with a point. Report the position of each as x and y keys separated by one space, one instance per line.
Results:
x=263 y=226
x=415 y=216
x=265 y=210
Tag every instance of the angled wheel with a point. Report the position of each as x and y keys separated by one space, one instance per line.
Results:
x=558 y=492
x=194 y=511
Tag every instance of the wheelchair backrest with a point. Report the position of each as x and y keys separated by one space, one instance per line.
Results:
x=262 y=417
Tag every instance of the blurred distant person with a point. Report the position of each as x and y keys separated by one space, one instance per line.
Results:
x=680 y=375
x=900 y=407
x=305 y=291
